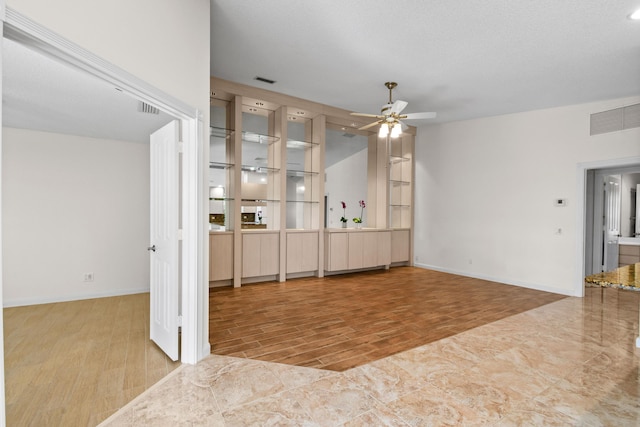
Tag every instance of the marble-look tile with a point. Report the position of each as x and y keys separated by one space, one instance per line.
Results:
x=278 y=410
x=429 y=406
x=332 y=400
x=384 y=380
x=537 y=414
x=378 y=416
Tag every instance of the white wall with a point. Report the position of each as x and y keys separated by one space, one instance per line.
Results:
x=346 y=181
x=485 y=190
x=73 y=205
x=163 y=42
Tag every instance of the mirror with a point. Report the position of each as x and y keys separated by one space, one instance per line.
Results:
x=346 y=177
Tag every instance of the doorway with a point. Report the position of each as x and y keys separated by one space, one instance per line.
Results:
x=610 y=214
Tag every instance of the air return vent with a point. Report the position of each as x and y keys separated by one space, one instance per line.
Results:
x=143 y=107
x=615 y=120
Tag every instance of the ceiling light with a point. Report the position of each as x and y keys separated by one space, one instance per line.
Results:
x=396 y=130
x=635 y=15
x=384 y=130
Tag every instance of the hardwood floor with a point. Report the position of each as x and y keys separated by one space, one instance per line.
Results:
x=339 y=322
x=75 y=363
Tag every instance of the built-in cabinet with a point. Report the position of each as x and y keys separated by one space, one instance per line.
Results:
x=268 y=202
x=357 y=249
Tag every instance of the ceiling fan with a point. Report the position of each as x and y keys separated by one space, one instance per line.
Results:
x=390 y=117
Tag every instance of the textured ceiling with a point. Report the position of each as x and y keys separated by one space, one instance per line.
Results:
x=462 y=59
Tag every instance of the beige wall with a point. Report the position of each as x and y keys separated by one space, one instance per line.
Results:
x=485 y=190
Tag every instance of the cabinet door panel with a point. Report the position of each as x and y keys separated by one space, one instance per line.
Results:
x=309 y=251
x=400 y=246
x=384 y=248
x=356 y=242
x=251 y=258
x=337 y=252
x=369 y=249
x=270 y=254
x=220 y=257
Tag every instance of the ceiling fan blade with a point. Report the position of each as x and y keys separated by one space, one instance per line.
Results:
x=375 y=116
x=369 y=125
x=398 y=106
x=416 y=116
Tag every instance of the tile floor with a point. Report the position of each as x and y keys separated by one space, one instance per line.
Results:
x=571 y=362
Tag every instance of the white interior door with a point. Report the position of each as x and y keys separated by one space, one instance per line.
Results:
x=612 y=200
x=164 y=238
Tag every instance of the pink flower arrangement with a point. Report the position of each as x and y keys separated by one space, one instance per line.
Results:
x=344 y=212
x=362 y=206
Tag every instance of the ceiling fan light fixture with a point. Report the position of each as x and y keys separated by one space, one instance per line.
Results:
x=384 y=130
x=396 y=130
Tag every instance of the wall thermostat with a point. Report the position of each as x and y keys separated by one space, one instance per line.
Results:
x=560 y=202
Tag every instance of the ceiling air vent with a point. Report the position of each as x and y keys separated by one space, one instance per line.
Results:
x=615 y=120
x=145 y=108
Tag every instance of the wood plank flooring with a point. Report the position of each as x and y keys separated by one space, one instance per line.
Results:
x=339 y=322
x=75 y=363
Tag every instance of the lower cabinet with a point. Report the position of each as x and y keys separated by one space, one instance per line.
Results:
x=400 y=246
x=356 y=249
x=220 y=256
x=260 y=254
x=302 y=251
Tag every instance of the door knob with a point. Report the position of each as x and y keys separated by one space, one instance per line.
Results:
x=152 y=248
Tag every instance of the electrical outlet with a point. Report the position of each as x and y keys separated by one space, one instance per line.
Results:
x=88 y=277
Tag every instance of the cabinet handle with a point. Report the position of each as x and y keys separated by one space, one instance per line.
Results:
x=152 y=248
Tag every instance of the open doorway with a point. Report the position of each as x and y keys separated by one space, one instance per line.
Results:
x=19 y=29
x=611 y=215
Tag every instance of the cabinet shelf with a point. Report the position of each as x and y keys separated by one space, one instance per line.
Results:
x=291 y=143
x=395 y=182
x=258 y=138
x=219 y=132
x=291 y=172
x=260 y=200
x=303 y=201
x=400 y=206
x=259 y=169
x=220 y=165
x=398 y=159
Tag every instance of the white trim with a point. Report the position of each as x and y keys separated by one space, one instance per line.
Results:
x=19 y=302
x=581 y=211
x=194 y=332
x=535 y=286
x=3 y=419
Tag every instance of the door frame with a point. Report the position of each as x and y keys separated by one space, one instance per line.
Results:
x=194 y=308
x=584 y=223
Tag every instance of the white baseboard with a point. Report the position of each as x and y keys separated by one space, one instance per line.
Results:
x=19 y=302
x=535 y=286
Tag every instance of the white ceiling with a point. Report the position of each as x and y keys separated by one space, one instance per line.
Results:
x=463 y=59
x=40 y=93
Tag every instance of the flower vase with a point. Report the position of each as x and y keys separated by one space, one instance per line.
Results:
x=358 y=225
x=344 y=224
